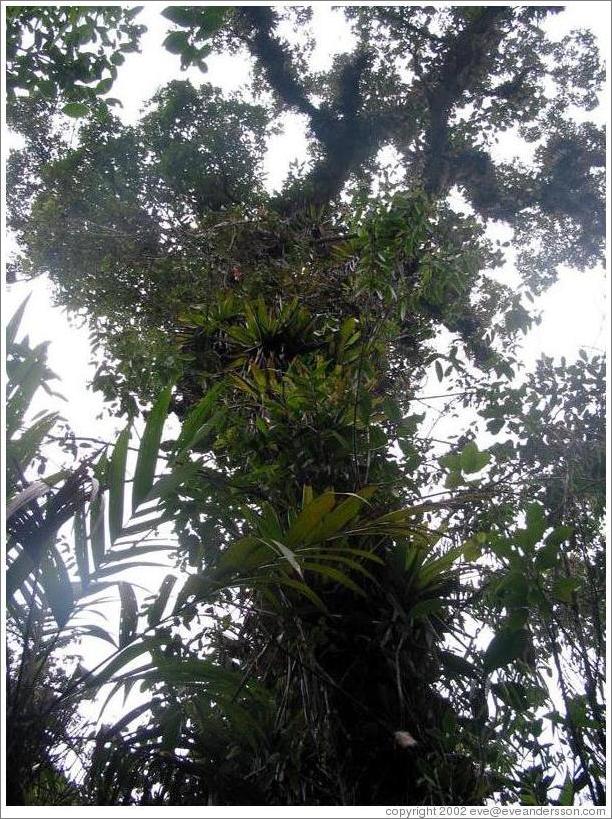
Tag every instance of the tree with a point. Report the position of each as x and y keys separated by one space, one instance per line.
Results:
x=322 y=649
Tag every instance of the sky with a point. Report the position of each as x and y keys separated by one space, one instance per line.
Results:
x=575 y=311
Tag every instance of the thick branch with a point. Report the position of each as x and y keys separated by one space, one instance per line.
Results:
x=467 y=57
x=278 y=67
x=345 y=138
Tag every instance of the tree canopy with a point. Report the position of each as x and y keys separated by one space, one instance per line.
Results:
x=359 y=613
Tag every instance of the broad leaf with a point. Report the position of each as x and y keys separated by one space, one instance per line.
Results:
x=14 y=322
x=506 y=646
x=149 y=449
x=128 y=622
x=306 y=522
x=56 y=585
x=97 y=530
x=80 y=546
x=76 y=109
x=176 y=42
x=117 y=484
x=156 y=609
x=564 y=588
x=472 y=460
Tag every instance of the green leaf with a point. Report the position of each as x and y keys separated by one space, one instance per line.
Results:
x=472 y=460
x=148 y=450
x=424 y=608
x=18 y=572
x=27 y=446
x=307 y=495
x=57 y=587
x=92 y=630
x=547 y=557
x=132 y=12
x=518 y=618
x=176 y=42
x=458 y=666
x=76 y=109
x=113 y=568
x=212 y=19
x=334 y=521
x=506 y=646
x=343 y=554
x=24 y=382
x=501 y=547
x=439 y=371
x=171 y=723
x=244 y=554
x=513 y=588
x=471 y=550
x=433 y=569
x=535 y=527
x=303 y=588
x=451 y=461
x=168 y=485
x=97 y=530
x=14 y=322
x=306 y=522
x=104 y=86
x=139 y=549
x=513 y=694
x=577 y=711
x=563 y=589
x=559 y=535
x=287 y=554
x=199 y=586
x=107 y=732
x=331 y=555
x=453 y=480
x=156 y=609
x=392 y=410
x=196 y=417
x=47 y=88
x=117 y=484
x=80 y=546
x=128 y=47
x=128 y=622
x=192 y=672
x=566 y=797
x=408 y=426
x=336 y=575
x=120 y=660
x=495 y=425
x=185 y=16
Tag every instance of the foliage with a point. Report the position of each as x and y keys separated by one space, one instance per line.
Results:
x=58 y=53
x=54 y=584
x=46 y=731
x=350 y=625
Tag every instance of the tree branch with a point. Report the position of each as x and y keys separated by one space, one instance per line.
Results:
x=346 y=139
x=277 y=65
x=464 y=61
